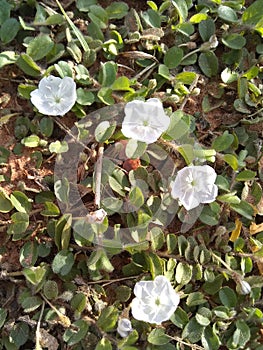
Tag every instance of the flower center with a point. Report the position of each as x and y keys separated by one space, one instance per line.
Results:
x=145 y=123
x=57 y=99
x=157 y=301
x=191 y=181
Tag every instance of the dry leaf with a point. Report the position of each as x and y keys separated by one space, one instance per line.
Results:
x=254 y=228
x=236 y=232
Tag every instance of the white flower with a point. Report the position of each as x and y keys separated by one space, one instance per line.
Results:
x=155 y=301
x=194 y=185
x=54 y=96
x=124 y=327
x=145 y=121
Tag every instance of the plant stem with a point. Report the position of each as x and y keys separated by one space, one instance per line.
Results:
x=98 y=175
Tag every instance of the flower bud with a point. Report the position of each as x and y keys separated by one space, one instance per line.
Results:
x=124 y=327
x=243 y=287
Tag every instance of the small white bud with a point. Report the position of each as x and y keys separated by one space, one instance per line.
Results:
x=243 y=287
x=124 y=327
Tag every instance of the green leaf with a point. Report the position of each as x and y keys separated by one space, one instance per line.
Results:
x=39 y=47
x=203 y=316
x=179 y=318
x=183 y=273
x=104 y=131
x=208 y=63
x=84 y=97
x=61 y=189
x=213 y=287
x=179 y=125
x=241 y=335
x=78 y=302
x=234 y=41
x=84 y=5
x=104 y=344
x=223 y=141
x=31 y=141
x=173 y=57
x=50 y=289
x=244 y=209
x=35 y=275
x=227 y=14
x=253 y=14
x=163 y=71
x=232 y=160
x=5 y=9
x=107 y=73
x=246 y=175
x=63 y=231
x=117 y=10
x=193 y=331
x=208 y=217
x=136 y=197
x=195 y=298
x=7 y=57
x=19 y=334
x=20 y=222
x=21 y=202
x=240 y=106
x=99 y=16
x=121 y=84
x=31 y=304
x=198 y=17
x=152 y=18
x=229 y=198
x=63 y=262
x=105 y=95
x=58 y=147
x=9 y=30
x=181 y=8
x=228 y=297
x=74 y=335
x=135 y=149
x=46 y=126
x=50 y=209
x=108 y=318
x=3 y=314
x=5 y=203
x=55 y=19
x=157 y=238
x=206 y=29
x=158 y=337
x=28 y=254
x=210 y=340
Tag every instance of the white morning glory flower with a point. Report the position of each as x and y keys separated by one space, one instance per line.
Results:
x=155 y=301
x=124 y=327
x=194 y=185
x=144 y=121
x=54 y=96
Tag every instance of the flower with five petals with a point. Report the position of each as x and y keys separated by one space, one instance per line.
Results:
x=54 y=96
x=155 y=300
x=144 y=121
x=194 y=185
